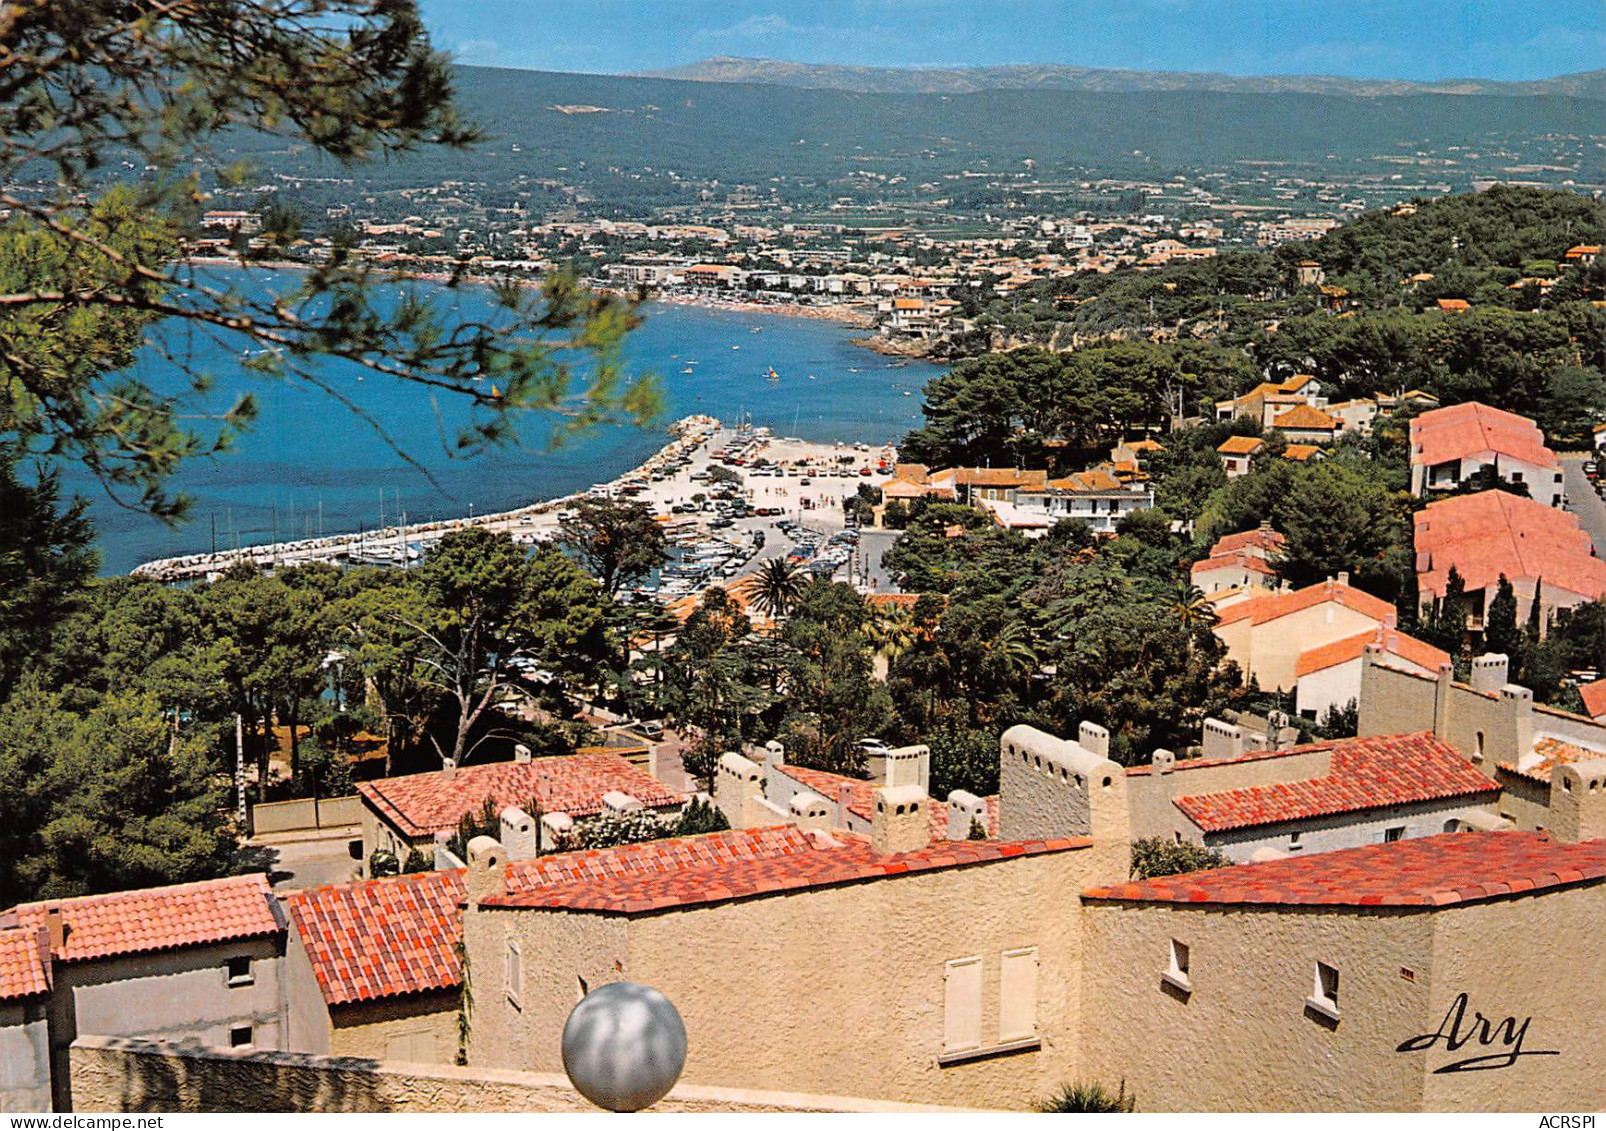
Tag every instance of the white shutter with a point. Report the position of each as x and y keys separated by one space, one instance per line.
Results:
x=1017 y=995
x=962 y=1008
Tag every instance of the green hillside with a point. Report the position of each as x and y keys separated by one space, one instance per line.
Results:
x=586 y=124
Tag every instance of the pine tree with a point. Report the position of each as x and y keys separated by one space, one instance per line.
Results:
x=1500 y=622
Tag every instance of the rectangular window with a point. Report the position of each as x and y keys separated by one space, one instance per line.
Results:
x=238 y=971
x=1017 y=995
x=240 y=1037
x=1394 y=834
x=1176 y=972
x=515 y=972
x=961 y=1028
x=1324 y=992
x=1293 y=842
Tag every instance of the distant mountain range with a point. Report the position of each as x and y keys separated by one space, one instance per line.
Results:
x=1054 y=76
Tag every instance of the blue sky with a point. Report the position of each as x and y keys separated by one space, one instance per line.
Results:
x=1412 y=39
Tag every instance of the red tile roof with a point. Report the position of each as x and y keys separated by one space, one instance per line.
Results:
x=1307 y=417
x=1236 y=560
x=1273 y=606
x=1465 y=430
x=1552 y=752
x=383 y=937
x=1406 y=647
x=1262 y=538
x=1240 y=445
x=1364 y=773
x=1594 y=697
x=696 y=871
x=1495 y=532
x=24 y=963
x=1433 y=871
x=166 y=918
x=423 y=804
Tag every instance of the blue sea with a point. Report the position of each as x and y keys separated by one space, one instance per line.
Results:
x=310 y=465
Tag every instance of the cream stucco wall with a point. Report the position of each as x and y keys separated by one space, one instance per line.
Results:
x=1244 y=1040
x=838 y=988
x=410 y=1028
x=1536 y=957
x=1270 y=650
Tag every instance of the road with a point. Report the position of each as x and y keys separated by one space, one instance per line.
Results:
x=310 y=862
x=1583 y=502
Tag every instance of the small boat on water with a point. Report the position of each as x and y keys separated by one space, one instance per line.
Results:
x=772 y=375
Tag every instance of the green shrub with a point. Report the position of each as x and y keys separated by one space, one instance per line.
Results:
x=1087 y=1098
x=1155 y=856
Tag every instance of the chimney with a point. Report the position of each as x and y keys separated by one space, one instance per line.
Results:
x=738 y=789
x=774 y=753
x=1343 y=577
x=900 y=822
x=1222 y=740
x=487 y=869
x=1093 y=738
x=555 y=830
x=521 y=754
x=844 y=798
x=1489 y=672
x=964 y=810
x=448 y=769
x=909 y=765
x=1441 y=701
x=1163 y=761
x=57 y=929
x=519 y=836
x=1518 y=704
x=619 y=803
x=808 y=810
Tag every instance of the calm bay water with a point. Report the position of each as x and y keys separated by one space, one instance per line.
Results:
x=309 y=461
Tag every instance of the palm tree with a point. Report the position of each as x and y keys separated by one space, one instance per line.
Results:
x=1193 y=610
x=776 y=587
x=1014 y=650
x=892 y=632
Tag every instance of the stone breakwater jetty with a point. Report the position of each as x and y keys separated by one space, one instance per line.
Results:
x=397 y=545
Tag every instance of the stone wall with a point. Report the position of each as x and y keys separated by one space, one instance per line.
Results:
x=306 y=814
x=126 y=1074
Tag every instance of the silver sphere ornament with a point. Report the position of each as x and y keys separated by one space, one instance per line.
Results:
x=624 y=1046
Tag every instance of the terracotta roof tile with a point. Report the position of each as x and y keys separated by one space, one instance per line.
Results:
x=1235 y=560
x=1395 y=643
x=1240 y=445
x=1594 y=697
x=423 y=804
x=1273 y=606
x=165 y=918
x=1551 y=752
x=1464 y=430
x=1262 y=538
x=1435 y=871
x=24 y=963
x=1495 y=532
x=1307 y=417
x=1364 y=773
x=735 y=865
x=400 y=935
x=382 y=937
x=1300 y=453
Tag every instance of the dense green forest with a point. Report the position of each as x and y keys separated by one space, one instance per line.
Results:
x=1243 y=318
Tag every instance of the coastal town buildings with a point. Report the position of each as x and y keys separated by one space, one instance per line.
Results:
x=1451 y=445
x=1541 y=550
